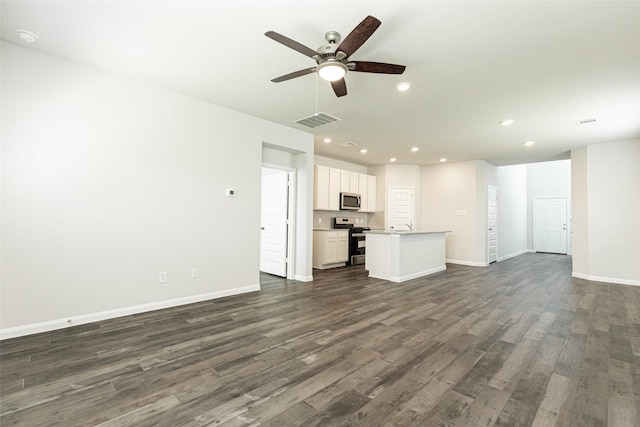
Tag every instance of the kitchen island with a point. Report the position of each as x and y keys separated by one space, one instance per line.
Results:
x=399 y=256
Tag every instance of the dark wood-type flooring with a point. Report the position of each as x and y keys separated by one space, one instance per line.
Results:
x=518 y=343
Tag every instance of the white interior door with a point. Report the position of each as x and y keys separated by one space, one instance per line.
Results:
x=274 y=213
x=400 y=208
x=492 y=224
x=550 y=224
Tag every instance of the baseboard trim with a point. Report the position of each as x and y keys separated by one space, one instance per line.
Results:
x=35 y=328
x=614 y=280
x=469 y=263
x=303 y=278
x=400 y=279
x=513 y=255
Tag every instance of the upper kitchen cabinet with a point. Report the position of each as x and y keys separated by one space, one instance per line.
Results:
x=326 y=189
x=330 y=182
x=367 y=188
x=371 y=194
x=349 y=182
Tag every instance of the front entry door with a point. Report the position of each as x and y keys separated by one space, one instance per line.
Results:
x=550 y=224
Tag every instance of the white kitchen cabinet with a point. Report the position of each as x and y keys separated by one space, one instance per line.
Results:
x=321 y=188
x=330 y=182
x=334 y=189
x=326 y=189
x=349 y=182
x=362 y=189
x=330 y=248
x=371 y=193
x=367 y=187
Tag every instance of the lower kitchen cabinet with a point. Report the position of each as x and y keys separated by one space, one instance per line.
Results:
x=330 y=248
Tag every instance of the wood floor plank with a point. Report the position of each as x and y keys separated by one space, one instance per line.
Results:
x=517 y=343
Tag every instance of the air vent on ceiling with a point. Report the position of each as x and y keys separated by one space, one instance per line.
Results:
x=585 y=121
x=317 y=119
x=348 y=144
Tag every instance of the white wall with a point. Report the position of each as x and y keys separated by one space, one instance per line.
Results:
x=450 y=195
x=512 y=211
x=606 y=180
x=106 y=182
x=548 y=179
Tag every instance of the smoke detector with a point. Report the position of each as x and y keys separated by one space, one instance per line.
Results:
x=27 y=36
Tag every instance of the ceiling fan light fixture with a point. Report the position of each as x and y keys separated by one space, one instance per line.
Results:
x=332 y=71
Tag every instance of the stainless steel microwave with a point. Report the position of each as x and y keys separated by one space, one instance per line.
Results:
x=350 y=201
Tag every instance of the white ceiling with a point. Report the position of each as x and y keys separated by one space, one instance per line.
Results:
x=472 y=63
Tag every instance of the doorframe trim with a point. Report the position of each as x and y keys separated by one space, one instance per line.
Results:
x=489 y=187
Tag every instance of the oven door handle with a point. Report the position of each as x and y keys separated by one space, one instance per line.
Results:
x=358 y=235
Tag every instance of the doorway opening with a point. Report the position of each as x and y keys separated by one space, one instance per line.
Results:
x=400 y=209
x=277 y=221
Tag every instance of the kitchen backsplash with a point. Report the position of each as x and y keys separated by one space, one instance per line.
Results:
x=324 y=219
x=376 y=220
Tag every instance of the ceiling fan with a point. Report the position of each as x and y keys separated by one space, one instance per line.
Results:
x=332 y=58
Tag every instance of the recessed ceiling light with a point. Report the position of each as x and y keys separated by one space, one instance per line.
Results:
x=443 y=159
x=529 y=143
x=364 y=150
x=327 y=140
x=414 y=149
x=27 y=36
x=507 y=122
x=393 y=159
x=403 y=86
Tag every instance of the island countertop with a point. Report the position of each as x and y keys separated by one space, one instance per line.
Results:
x=404 y=232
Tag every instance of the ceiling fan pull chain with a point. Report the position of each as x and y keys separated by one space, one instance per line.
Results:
x=316 y=93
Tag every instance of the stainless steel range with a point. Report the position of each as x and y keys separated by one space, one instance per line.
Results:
x=357 y=241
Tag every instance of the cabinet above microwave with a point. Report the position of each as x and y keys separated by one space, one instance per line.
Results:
x=330 y=182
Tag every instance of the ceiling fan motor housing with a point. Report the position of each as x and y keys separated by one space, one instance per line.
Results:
x=328 y=50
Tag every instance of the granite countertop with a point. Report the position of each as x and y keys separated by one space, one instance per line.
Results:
x=405 y=232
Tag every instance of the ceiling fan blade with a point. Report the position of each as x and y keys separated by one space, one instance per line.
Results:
x=294 y=75
x=291 y=44
x=359 y=35
x=339 y=87
x=377 y=67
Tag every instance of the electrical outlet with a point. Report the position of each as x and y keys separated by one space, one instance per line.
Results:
x=162 y=277
x=194 y=273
